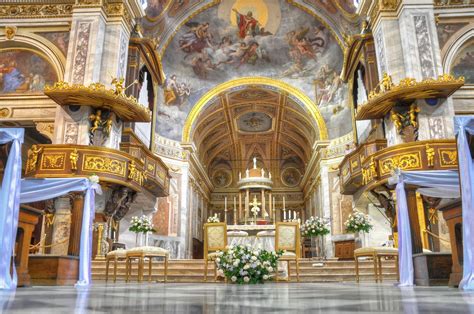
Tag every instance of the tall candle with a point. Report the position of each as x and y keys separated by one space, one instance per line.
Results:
x=235 y=211
x=225 y=203
x=294 y=214
x=284 y=207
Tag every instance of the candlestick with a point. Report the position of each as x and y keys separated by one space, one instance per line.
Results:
x=294 y=214
x=284 y=214
x=274 y=211
x=235 y=211
x=284 y=207
x=225 y=203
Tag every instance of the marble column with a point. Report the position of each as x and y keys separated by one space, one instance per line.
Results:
x=61 y=226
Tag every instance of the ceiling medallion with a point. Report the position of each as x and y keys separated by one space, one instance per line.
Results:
x=254 y=122
x=291 y=177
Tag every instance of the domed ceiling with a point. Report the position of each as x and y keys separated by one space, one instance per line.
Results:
x=206 y=43
x=254 y=122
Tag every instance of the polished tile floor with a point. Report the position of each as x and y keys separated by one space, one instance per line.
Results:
x=221 y=298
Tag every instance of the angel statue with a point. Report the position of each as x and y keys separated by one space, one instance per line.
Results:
x=96 y=120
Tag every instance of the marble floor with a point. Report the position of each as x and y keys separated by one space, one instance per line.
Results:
x=221 y=298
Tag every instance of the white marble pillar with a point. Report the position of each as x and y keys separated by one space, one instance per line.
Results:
x=61 y=226
x=326 y=207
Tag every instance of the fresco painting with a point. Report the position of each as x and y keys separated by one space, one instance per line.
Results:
x=463 y=65
x=59 y=39
x=240 y=38
x=23 y=71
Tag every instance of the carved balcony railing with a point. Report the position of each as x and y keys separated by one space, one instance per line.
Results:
x=350 y=172
x=158 y=178
x=98 y=96
x=65 y=160
x=376 y=168
x=388 y=95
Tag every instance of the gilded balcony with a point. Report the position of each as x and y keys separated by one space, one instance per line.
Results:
x=64 y=160
x=350 y=170
x=375 y=169
x=158 y=178
x=387 y=95
x=96 y=95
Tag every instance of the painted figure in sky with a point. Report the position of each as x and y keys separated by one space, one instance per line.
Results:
x=247 y=24
x=197 y=38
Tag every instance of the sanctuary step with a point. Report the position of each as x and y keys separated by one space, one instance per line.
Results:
x=192 y=270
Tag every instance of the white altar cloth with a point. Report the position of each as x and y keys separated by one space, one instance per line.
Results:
x=264 y=243
x=251 y=227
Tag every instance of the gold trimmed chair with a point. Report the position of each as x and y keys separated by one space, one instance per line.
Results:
x=376 y=253
x=114 y=256
x=142 y=253
x=215 y=239
x=287 y=238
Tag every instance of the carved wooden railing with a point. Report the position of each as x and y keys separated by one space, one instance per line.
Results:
x=350 y=172
x=375 y=168
x=65 y=160
x=158 y=178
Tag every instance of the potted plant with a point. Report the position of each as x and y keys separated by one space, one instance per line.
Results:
x=316 y=228
x=357 y=223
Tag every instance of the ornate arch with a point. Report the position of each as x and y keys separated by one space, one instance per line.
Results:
x=298 y=95
x=466 y=34
x=37 y=44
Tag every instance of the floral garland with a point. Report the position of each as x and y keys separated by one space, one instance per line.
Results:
x=315 y=226
x=357 y=222
x=241 y=264
x=141 y=224
x=213 y=219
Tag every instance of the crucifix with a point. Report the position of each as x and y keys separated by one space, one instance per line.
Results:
x=255 y=209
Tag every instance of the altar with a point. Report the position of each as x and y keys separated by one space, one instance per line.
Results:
x=256 y=236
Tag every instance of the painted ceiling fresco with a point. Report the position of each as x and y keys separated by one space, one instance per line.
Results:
x=24 y=71
x=463 y=65
x=240 y=38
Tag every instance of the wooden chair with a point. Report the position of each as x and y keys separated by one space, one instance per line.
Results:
x=287 y=238
x=114 y=256
x=215 y=239
x=141 y=253
x=376 y=253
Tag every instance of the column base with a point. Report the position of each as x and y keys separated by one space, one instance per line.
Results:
x=53 y=270
x=432 y=269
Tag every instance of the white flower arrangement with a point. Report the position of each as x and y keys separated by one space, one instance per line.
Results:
x=213 y=219
x=357 y=222
x=315 y=226
x=141 y=224
x=242 y=264
x=94 y=178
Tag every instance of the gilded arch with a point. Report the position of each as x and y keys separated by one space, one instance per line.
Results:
x=302 y=98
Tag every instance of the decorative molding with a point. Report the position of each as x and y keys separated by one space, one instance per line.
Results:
x=81 y=52
x=425 y=49
x=98 y=96
x=46 y=128
x=10 y=32
x=386 y=95
x=26 y=10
